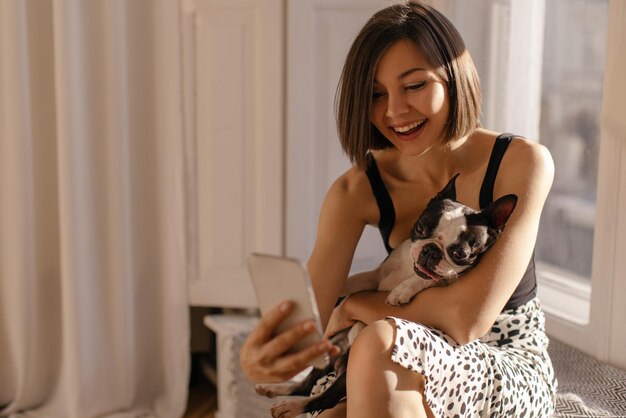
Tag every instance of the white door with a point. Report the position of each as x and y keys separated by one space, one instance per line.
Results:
x=233 y=79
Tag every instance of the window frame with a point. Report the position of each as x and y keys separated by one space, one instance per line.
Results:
x=512 y=104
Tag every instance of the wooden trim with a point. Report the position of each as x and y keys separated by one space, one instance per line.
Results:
x=609 y=262
x=563 y=294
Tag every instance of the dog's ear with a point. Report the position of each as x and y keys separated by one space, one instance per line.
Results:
x=499 y=212
x=448 y=192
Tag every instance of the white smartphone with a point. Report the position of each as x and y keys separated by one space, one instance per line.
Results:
x=277 y=279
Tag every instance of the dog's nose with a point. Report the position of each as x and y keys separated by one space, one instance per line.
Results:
x=432 y=249
x=430 y=256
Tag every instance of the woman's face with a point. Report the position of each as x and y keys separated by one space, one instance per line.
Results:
x=410 y=103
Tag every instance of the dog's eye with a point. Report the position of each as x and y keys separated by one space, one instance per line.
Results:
x=418 y=231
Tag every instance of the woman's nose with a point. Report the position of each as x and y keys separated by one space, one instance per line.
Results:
x=396 y=106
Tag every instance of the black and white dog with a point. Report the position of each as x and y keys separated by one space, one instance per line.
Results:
x=447 y=240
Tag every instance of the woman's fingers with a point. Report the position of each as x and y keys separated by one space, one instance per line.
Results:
x=263 y=355
x=252 y=355
x=287 y=339
x=290 y=365
x=266 y=327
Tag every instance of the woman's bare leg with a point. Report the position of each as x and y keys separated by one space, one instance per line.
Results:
x=378 y=387
x=338 y=411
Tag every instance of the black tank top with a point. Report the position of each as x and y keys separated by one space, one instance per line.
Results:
x=527 y=288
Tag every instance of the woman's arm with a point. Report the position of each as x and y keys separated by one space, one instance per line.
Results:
x=466 y=309
x=265 y=356
x=345 y=212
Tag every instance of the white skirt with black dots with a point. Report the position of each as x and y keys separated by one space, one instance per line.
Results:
x=505 y=373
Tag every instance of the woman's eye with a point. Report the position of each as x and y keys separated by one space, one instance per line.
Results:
x=416 y=86
x=377 y=95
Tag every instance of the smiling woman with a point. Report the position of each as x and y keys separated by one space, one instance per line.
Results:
x=408 y=105
x=417 y=69
x=418 y=88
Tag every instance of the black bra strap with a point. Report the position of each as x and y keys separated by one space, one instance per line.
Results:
x=385 y=205
x=499 y=148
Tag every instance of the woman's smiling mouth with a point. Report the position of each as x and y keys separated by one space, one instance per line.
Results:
x=410 y=131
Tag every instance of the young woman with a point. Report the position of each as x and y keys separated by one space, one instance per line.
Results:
x=408 y=117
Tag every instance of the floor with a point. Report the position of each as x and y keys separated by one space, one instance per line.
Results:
x=587 y=387
x=202 y=399
x=202 y=402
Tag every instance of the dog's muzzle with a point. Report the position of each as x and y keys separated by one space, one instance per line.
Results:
x=430 y=256
x=427 y=262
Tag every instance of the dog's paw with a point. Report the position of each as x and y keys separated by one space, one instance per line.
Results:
x=398 y=297
x=264 y=390
x=288 y=409
x=271 y=390
x=404 y=292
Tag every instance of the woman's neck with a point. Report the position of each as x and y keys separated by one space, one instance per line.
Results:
x=435 y=166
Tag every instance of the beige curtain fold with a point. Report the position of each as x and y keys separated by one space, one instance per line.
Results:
x=93 y=306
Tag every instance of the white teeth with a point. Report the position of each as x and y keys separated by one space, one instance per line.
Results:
x=409 y=127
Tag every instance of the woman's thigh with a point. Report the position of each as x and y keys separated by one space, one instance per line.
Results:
x=338 y=411
x=376 y=385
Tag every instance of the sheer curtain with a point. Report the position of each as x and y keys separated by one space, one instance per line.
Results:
x=93 y=304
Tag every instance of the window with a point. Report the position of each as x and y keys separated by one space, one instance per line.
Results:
x=541 y=63
x=571 y=102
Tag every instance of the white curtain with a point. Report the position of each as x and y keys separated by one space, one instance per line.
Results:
x=93 y=304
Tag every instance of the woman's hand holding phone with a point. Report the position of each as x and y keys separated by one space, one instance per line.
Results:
x=265 y=356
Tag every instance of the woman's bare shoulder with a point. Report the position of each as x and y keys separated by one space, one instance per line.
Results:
x=352 y=182
x=351 y=192
x=527 y=165
x=531 y=157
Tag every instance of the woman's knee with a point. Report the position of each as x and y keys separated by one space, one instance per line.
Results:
x=371 y=353
x=375 y=339
x=375 y=382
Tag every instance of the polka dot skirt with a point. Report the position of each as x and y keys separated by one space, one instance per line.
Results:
x=505 y=373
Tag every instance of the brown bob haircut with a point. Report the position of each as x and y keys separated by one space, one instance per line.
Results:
x=443 y=48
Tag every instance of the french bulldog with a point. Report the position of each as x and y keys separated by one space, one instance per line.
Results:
x=447 y=240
